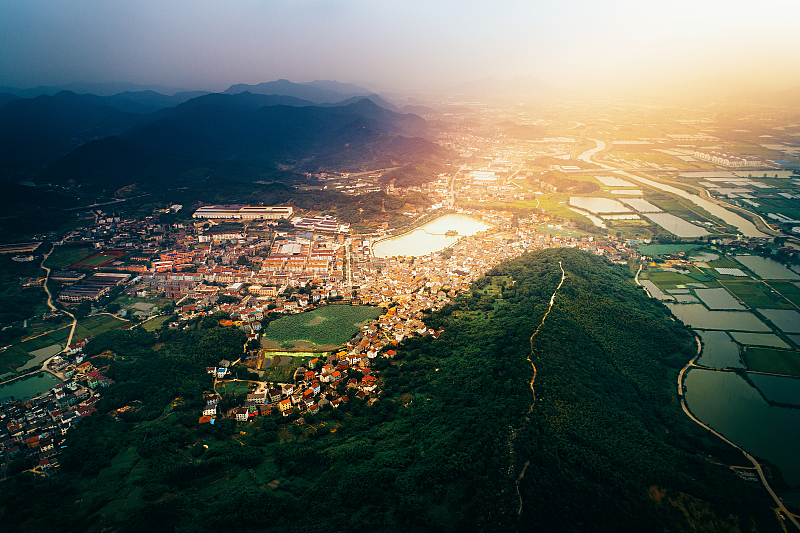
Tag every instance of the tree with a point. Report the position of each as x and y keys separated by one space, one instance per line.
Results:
x=242 y=260
x=113 y=307
x=83 y=309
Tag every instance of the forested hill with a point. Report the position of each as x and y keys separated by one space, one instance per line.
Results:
x=605 y=446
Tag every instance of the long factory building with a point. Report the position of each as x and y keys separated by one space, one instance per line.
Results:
x=244 y=212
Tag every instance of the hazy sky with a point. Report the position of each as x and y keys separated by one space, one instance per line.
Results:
x=390 y=45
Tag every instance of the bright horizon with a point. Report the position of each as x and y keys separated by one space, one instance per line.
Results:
x=413 y=46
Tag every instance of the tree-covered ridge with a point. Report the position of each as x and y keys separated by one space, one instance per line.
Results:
x=442 y=448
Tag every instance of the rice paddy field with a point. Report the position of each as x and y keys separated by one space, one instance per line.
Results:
x=95 y=325
x=757 y=294
x=773 y=361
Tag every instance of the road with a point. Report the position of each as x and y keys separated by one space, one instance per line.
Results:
x=749 y=457
x=53 y=308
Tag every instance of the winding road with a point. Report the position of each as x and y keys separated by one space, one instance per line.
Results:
x=53 y=308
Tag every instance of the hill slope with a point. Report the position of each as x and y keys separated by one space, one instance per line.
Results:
x=604 y=447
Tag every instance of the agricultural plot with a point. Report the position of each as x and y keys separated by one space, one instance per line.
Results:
x=321 y=328
x=786 y=320
x=759 y=339
x=665 y=279
x=718 y=299
x=655 y=250
x=788 y=290
x=156 y=323
x=756 y=294
x=773 y=361
x=233 y=387
x=95 y=325
x=767 y=268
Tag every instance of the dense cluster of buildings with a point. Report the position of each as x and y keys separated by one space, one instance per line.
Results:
x=34 y=428
x=728 y=160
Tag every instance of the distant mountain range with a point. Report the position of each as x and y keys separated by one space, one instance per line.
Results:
x=100 y=140
x=319 y=92
x=521 y=87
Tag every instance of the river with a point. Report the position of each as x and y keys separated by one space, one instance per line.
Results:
x=430 y=237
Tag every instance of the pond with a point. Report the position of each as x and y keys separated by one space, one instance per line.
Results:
x=430 y=237
x=29 y=386
x=767 y=268
x=697 y=316
x=719 y=351
x=734 y=408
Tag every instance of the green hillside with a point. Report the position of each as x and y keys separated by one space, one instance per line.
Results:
x=455 y=442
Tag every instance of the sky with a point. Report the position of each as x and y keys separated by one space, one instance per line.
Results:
x=388 y=45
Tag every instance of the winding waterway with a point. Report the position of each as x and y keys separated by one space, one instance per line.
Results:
x=747 y=228
x=430 y=237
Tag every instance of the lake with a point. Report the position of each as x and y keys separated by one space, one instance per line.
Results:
x=731 y=406
x=719 y=351
x=28 y=386
x=430 y=237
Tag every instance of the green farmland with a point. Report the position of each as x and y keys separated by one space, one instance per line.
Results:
x=758 y=295
x=325 y=327
x=95 y=325
x=773 y=361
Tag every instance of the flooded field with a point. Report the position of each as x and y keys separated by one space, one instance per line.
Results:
x=719 y=299
x=730 y=405
x=598 y=205
x=697 y=316
x=676 y=226
x=759 y=339
x=777 y=388
x=767 y=268
x=786 y=320
x=719 y=351
x=643 y=206
x=746 y=227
